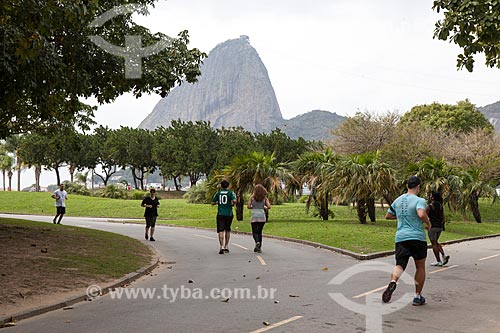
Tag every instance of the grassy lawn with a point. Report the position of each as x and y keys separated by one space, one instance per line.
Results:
x=288 y=220
x=95 y=252
x=38 y=259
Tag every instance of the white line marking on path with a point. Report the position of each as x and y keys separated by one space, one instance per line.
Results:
x=382 y=288
x=369 y=292
x=490 y=257
x=205 y=236
x=281 y=323
x=261 y=260
x=240 y=246
x=443 y=269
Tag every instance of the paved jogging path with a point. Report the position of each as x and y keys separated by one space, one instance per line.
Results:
x=463 y=297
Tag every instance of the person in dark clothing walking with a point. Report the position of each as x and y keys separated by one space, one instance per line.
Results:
x=150 y=213
x=435 y=212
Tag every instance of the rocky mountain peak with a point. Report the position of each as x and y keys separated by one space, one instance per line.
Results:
x=234 y=89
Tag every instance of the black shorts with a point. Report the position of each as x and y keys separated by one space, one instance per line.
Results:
x=410 y=248
x=61 y=210
x=434 y=234
x=150 y=221
x=224 y=223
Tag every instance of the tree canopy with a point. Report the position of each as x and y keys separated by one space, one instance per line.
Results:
x=48 y=61
x=462 y=117
x=474 y=26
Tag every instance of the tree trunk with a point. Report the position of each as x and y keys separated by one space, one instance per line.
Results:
x=38 y=172
x=323 y=210
x=474 y=206
x=58 y=176
x=9 y=174
x=72 y=169
x=239 y=206
x=370 y=205
x=19 y=165
x=135 y=179
x=361 y=208
x=3 y=172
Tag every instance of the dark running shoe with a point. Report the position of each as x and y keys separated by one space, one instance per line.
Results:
x=417 y=301
x=446 y=259
x=257 y=247
x=386 y=296
x=226 y=250
x=221 y=251
x=54 y=220
x=151 y=239
x=146 y=236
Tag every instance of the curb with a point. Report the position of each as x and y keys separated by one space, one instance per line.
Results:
x=355 y=255
x=129 y=278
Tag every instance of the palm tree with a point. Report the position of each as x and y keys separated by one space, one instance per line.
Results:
x=361 y=179
x=6 y=162
x=255 y=168
x=472 y=190
x=12 y=144
x=310 y=168
x=437 y=175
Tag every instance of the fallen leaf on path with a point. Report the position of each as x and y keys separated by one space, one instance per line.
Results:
x=225 y=300
x=190 y=281
x=10 y=324
x=276 y=302
x=44 y=250
x=292 y=295
x=265 y=323
x=325 y=269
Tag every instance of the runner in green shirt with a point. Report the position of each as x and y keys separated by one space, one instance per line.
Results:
x=225 y=199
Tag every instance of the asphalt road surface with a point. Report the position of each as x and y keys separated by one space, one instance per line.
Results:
x=287 y=288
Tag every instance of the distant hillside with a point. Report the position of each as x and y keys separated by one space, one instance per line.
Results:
x=313 y=125
x=492 y=113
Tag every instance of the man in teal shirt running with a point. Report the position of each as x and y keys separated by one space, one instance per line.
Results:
x=410 y=211
x=225 y=199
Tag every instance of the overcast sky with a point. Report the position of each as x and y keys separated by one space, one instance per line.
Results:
x=341 y=56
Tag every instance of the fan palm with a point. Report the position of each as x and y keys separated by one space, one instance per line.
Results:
x=311 y=168
x=248 y=170
x=360 y=179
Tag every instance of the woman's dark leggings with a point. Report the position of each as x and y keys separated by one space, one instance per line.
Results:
x=257 y=231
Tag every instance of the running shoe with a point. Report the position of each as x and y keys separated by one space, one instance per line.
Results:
x=226 y=250
x=386 y=296
x=446 y=259
x=257 y=247
x=437 y=263
x=419 y=300
x=221 y=251
x=146 y=236
x=151 y=239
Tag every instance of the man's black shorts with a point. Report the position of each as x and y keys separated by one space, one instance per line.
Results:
x=61 y=210
x=224 y=223
x=150 y=221
x=410 y=248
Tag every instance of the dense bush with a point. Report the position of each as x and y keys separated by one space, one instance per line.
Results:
x=112 y=191
x=138 y=194
x=76 y=188
x=197 y=194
